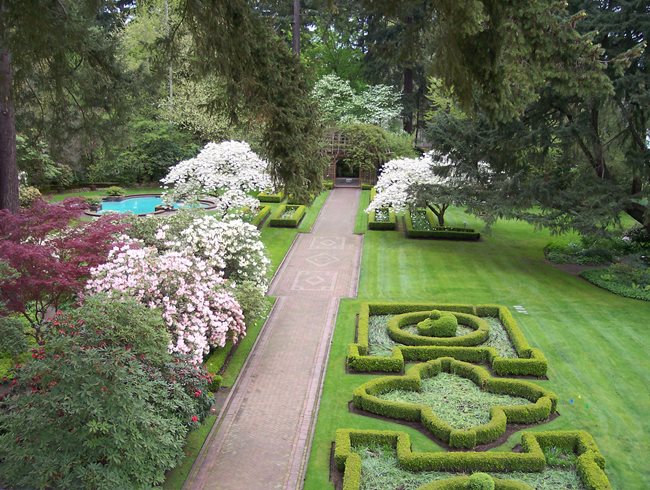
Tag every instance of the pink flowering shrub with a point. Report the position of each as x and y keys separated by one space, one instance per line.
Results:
x=197 y=309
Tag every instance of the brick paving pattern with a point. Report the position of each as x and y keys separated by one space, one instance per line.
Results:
x=261 y=439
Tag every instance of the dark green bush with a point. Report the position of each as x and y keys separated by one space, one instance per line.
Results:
x=439 y=325
x=432 y=231
x=629 y=280
x=480 y=481
x=576 y=253
x=388 y=224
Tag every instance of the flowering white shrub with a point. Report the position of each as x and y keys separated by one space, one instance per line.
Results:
x=197 y=309
x=232 y=247
x=228 y=171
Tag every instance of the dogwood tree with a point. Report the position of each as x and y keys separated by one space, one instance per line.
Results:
x=432 y=180
x=227 y=171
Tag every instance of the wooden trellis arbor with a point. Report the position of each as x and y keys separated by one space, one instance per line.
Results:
x=335 y=149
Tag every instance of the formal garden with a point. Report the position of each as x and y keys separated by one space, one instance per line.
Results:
x=324 y=245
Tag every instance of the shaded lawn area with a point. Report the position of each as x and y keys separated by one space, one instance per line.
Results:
x=596 y=342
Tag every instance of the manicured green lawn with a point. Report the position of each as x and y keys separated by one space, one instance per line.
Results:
x=361 y=222
x=596 y=343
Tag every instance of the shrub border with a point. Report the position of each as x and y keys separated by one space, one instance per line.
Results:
x=543 y=402
x=593 y=276
x=590 y=463
x=531 y=361
x=373 y=224
x=438 y=232
x=292 y=222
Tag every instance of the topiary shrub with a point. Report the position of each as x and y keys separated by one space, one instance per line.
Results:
x=27 y=195
x=439 y=324
x=480 y=481
x=115 y=191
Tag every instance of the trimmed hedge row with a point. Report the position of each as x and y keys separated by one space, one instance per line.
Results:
x=439 y=232
x=543 y=402
x=464 y=483
x=292 y=222
x=391 y=224
x=264 y=197
x=531 y=361
x=261 y=215
x=590 y=463
x=398 y=322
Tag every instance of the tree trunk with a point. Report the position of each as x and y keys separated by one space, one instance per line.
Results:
x=296 y=28
x=439 y=211
x=408 y=100
x=8 y=166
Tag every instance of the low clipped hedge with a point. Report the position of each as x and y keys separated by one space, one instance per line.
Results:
x=543 y=402
x=264 y=197
x=398 y=322
x=391 y=224
x=438 y=232
x=292 y=222
x=531 y=361
x=590 y=463
x=262 y=214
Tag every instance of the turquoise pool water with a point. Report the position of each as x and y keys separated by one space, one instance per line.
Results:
x=135 y=205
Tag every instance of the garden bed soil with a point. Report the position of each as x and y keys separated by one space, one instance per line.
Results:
x=510 y=429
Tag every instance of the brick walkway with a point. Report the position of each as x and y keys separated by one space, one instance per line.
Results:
x=261 y=439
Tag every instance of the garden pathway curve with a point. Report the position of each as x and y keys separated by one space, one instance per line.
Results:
x=262 y=437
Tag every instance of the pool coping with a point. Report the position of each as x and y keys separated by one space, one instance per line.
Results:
x=210 y=205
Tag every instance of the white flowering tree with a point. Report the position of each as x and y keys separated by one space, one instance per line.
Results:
x=339 y=103
x=433 y=179
x=197 y=308
x=227 y=171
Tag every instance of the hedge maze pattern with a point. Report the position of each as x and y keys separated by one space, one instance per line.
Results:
x=411 y=328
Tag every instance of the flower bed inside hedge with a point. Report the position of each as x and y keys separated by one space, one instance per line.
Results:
x=373 y=460
x=381 y=343
x=496 y=401
x=382 y=219
x=287 y=216
x=421 y=223
x=264 y=197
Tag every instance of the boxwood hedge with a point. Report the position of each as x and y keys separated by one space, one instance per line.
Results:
x=260 y=217
x=530 y=361
x=439 y=232
x=373 y=224
x=298 y=214
x=264 y=197
x=543 y=402
x=590 y=463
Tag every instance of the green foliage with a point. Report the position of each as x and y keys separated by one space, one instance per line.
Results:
x=108 y=396
x=629 y=280
x=574 y=253
x=33 y=158
x=261 y=216
x=149 y=148
x=27 y=195
x=367 y=145
x=480 y=481
x=115 y=191
x=13 y=340
x=264 y=197
x=251 y=299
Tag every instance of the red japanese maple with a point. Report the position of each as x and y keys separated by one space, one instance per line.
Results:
x=51 y=254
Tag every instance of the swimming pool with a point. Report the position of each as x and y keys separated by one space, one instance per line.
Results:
x=145 y=204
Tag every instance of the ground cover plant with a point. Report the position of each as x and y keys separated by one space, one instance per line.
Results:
x=456 y=402
x=570 y=320
x=486 y=334
x=629 y=280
